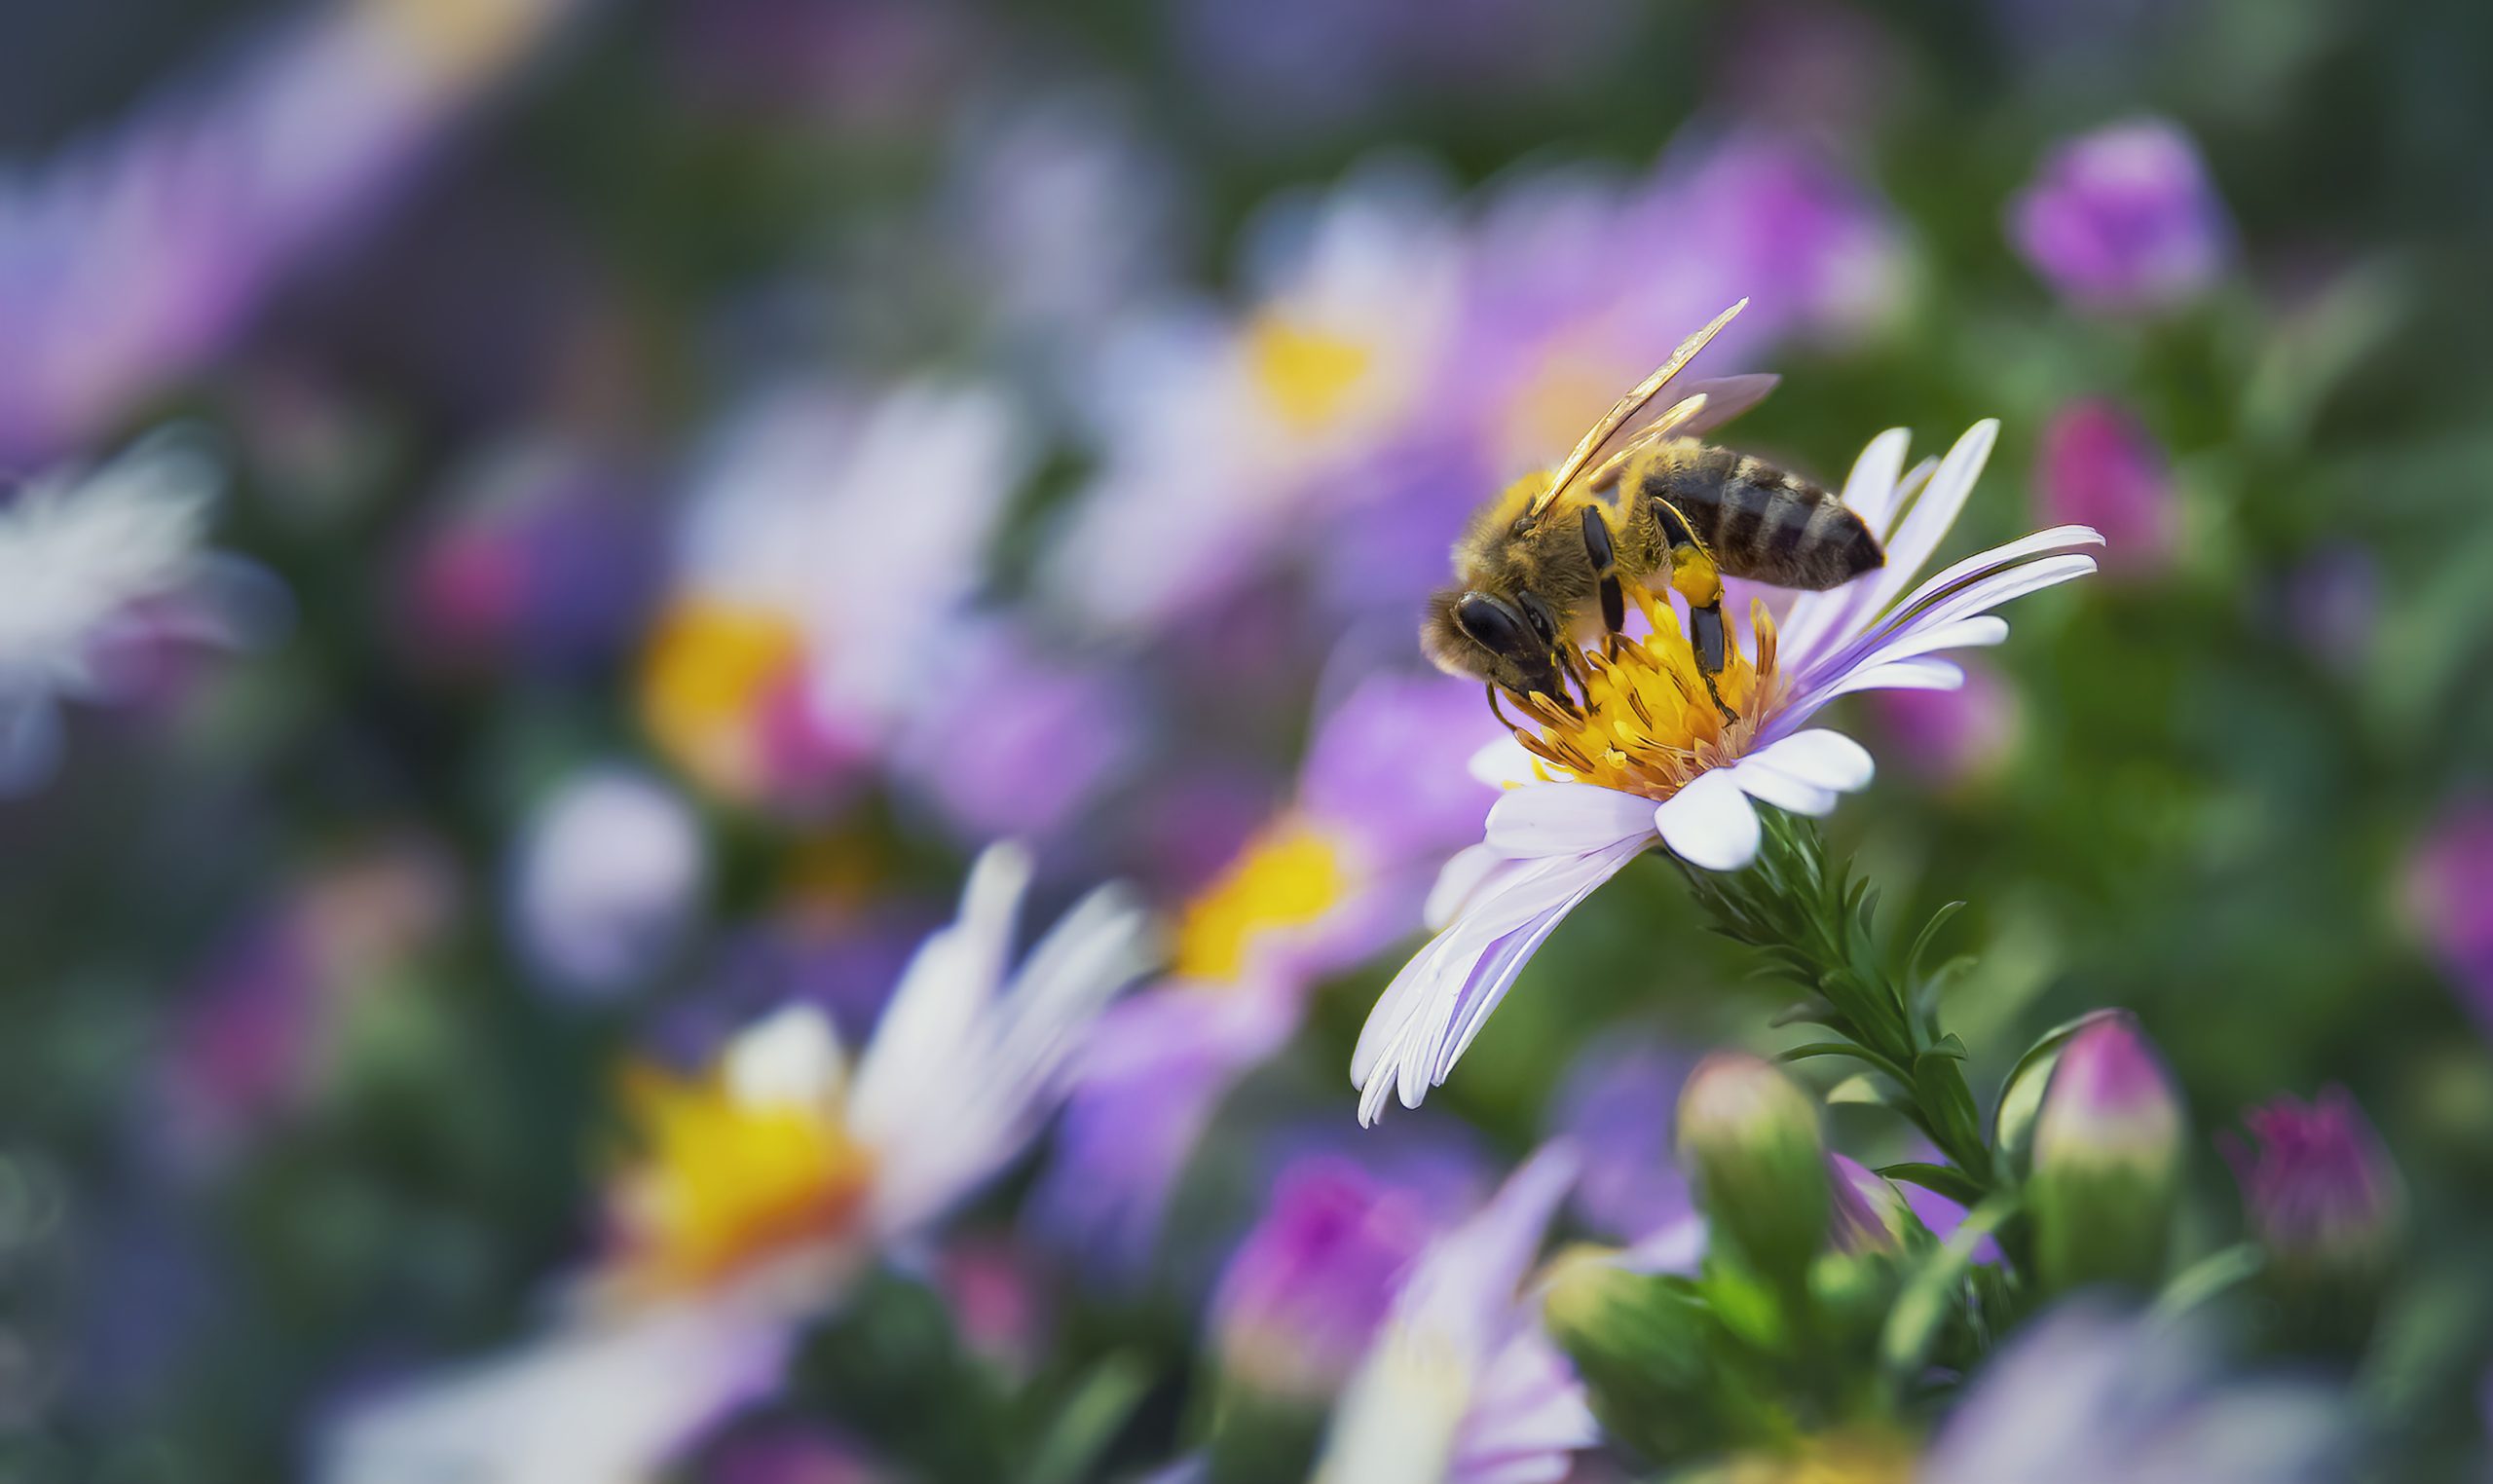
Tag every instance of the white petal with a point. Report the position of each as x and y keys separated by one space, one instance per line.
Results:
x=1926 y=524
x=1462 y=875
x=1774 y=786
x=1709 y=822
x=1871 y=489
x=791 y=1057
x=934 y=1012
x=1504 y=762
x=1828 y=760
x=592 y=1406
x=1566 y=819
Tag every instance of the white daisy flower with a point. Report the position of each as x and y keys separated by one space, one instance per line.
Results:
x=1461 y=1386
x=1224 y=433
x=1650 y=762
x=760 y=1189
x=95 y=564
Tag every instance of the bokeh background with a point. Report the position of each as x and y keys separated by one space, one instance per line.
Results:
x=618 y=499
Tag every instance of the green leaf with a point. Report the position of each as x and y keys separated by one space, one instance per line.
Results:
x=1946 y=1179
x=1930 y=930
x=1089 y=1420
x=2208 y=1277
x=1923 y=1309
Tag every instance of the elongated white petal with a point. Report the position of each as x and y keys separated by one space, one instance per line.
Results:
x=1566 y=819
x=595 y=1406
x=1918 y=534
x=1462 y=874
x=1818 y=622
x=1709 y=822
x=1423 y=1020
x=947 y=986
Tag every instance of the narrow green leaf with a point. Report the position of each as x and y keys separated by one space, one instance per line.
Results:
x=1922 y=1310
x=1946 y=1179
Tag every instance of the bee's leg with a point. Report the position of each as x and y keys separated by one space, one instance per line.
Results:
x=1700 y=583
x=1604 y=560
x=1496 y=710
x=1711 y=641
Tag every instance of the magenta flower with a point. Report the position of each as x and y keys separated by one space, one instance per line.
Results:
x=2316 y=1183
x=2123 y=219
x=2099 y=467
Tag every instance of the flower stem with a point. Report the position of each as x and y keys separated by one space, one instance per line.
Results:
x=1817 y=921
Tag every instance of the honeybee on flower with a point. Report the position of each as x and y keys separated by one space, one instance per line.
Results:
x=1663 y=749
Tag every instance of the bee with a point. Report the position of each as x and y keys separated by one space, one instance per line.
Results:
x=1542 y=567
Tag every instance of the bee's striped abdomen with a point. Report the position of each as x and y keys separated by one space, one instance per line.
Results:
x=1760 y=522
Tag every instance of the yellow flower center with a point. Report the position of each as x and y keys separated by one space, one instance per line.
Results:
x=1308 y=375
x=708 y=667
x=1858 y=1456
x=1289 y=874
x=1646 y=725
x=721 y=1181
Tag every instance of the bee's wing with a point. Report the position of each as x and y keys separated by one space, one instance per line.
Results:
x=1706 y=406
x=1628 y=406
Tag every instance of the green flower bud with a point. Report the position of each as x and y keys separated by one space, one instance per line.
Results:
x=1653 y=1359
x=2022 y=1098
x=2107 y=1161
x=1750 y=1136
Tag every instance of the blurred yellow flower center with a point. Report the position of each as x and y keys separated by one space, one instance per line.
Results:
x=703 y=678
x=1863 y=1456
x=1307 y=375
x=1290 y=876
x=723 y=1181
x=1649 y=727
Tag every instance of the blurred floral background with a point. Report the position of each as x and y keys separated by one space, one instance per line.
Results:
x=545 y=537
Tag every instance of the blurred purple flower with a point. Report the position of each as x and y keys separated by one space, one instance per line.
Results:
x=2123 y=219
x=1327 y=882
x=128 y=261
x=2098 y=467
x=608 y=875
x=1953 y=738
x=1460 y=1384
x=1618 y=1104
x=2317 y=1185
x=2085 y=1394
x=545 y=559
x=862 y=66
x=1866 y=1212
x=2449 y=895
x=1016 y=742
x=1306 y=1288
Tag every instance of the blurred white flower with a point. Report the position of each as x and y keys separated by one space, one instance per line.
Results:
x=1218 y=432
x=830 y=540
x=608 y=872
x=759 y=1190
x=97 y=564
x=2087 y=1395
x=1461 y=1386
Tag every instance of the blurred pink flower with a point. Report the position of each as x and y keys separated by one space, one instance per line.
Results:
x=1950 y=739
x=2449 y=895
x=2123 y=219
x=2316 y=1183
x=2098 y=467
x=1306 y=1288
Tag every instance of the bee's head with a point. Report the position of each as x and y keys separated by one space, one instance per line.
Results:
x=1509 y=643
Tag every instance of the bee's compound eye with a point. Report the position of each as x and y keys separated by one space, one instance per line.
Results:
x=1493 y=624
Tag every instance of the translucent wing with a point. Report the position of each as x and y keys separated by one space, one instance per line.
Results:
x=1628 y=406
x=1707 y=405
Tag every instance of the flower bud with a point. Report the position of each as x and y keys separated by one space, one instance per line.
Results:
x=1869 y=1214
x=2107 y=1161
x=2324 y=1202
x=1643 y=1346
x=1750 y=1135
x=2022 y=1098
